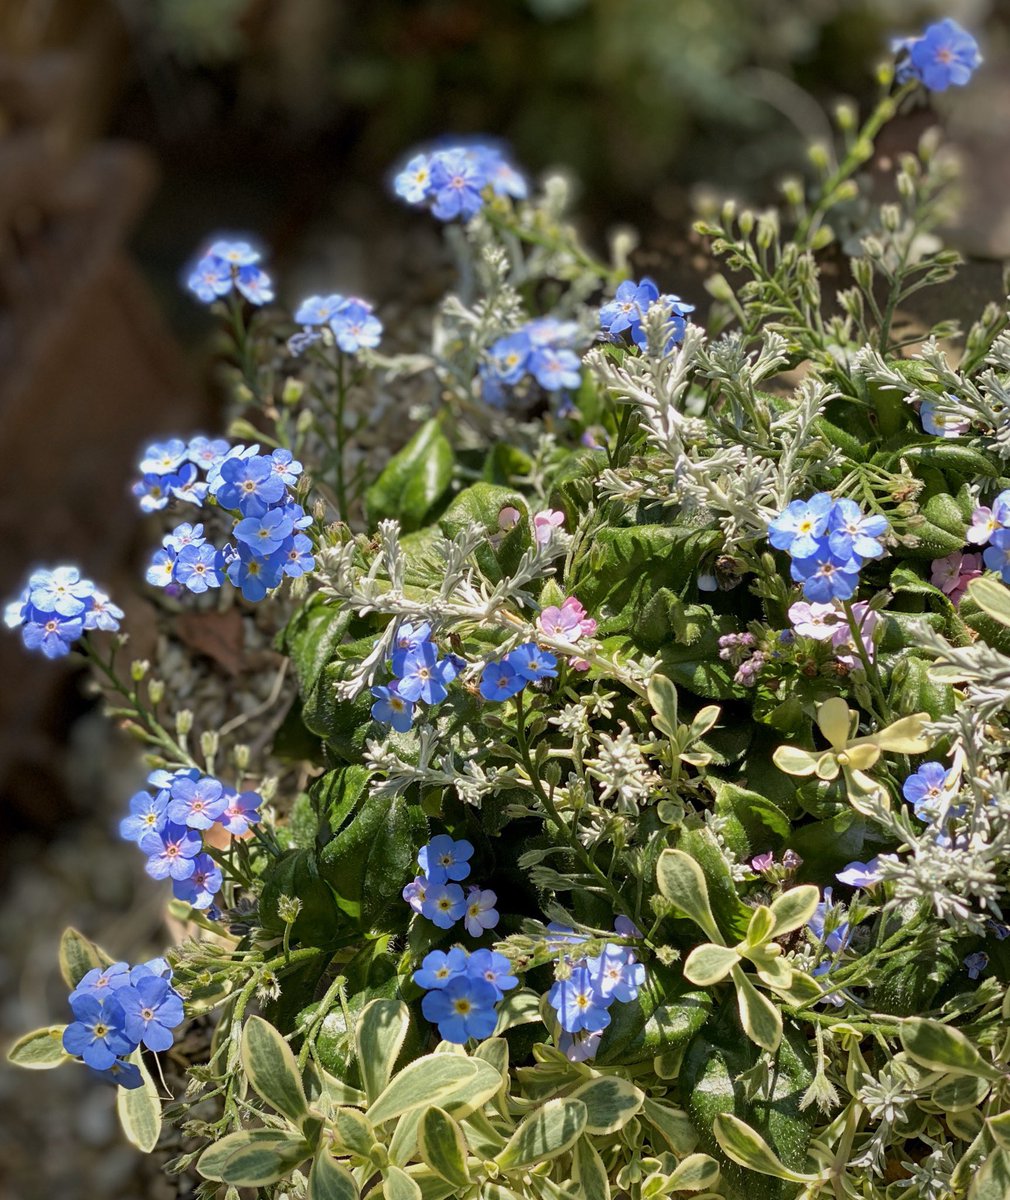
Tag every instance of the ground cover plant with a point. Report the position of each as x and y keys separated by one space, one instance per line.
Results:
x=636 y=818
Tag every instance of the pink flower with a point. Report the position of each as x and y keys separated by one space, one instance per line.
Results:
x=569 y=621
x=867 y=619
x=544 y=524
x=819 y=621
x=953 y=573
x=508 y=517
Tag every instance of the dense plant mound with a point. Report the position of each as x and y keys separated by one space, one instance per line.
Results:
x=639 y=822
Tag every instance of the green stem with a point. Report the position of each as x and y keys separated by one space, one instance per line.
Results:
x=869 y=664
x=341 y=484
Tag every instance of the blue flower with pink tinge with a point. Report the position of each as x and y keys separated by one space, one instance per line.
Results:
x=241 y=812
x=98 y=1032
x=421 y=675
x=481 y=913
x=200 y=888
x=56 y=607
x=196 y=802
x=444 y=904
x=860 y=874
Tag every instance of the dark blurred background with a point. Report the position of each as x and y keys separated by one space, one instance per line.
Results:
x=132 y=129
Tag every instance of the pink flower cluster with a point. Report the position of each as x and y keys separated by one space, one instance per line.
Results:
x=953 y=573
x=568 y=621
x=826 y=622
x=544 y=524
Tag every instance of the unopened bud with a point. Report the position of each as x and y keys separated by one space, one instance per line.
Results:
x=183 y=722
x=138 y=669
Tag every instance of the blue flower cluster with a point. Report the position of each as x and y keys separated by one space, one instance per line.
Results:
x=944 y=55
x=453 y=181
x=349 y=318
x=828 y=541
x=588 y=986
x=171 y=471
x=255 y=488
x=119 y=1008
x=167 y=821
x=419 y=674
x=436 y=894
x=525 y=664
x=56 y=608
x=630 y=304
x=463 y=991
x=542 y=350
x=228 y=265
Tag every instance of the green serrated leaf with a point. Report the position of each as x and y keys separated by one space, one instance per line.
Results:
x=271 y=1069
x=39 y=1050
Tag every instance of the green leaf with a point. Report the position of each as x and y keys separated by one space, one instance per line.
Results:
x=367 y=862
x=764 y=822
x=681 y=881
x=433 y=1079
x=544 y=1134
x=663 y=698
x=328 y=1180
x=78 y=956
x=760 y=1018
x=139 y=1109
x=480 y=504
x=589 y=1172
x=262 y=1161
x=414 y=480
x=398 y=1185
x=711 y=1083
x=998 y=1126
x=942 y=1048
x=518 y=1008
x=992 y=596
x=378 y=1039
x=610 y=1103
x=709 y=964
x=992 y=1181
x=311 y=637
x=673 y=1125
x=443 y=1147
x=353 y=1131
x=212 y=1161
x=40 y=1049
x=697 y=1173
x=319 y=921
x=271 y=1069
x=666 y=1015
x=794 y=908
x=746 y=1147
x=731 y=914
